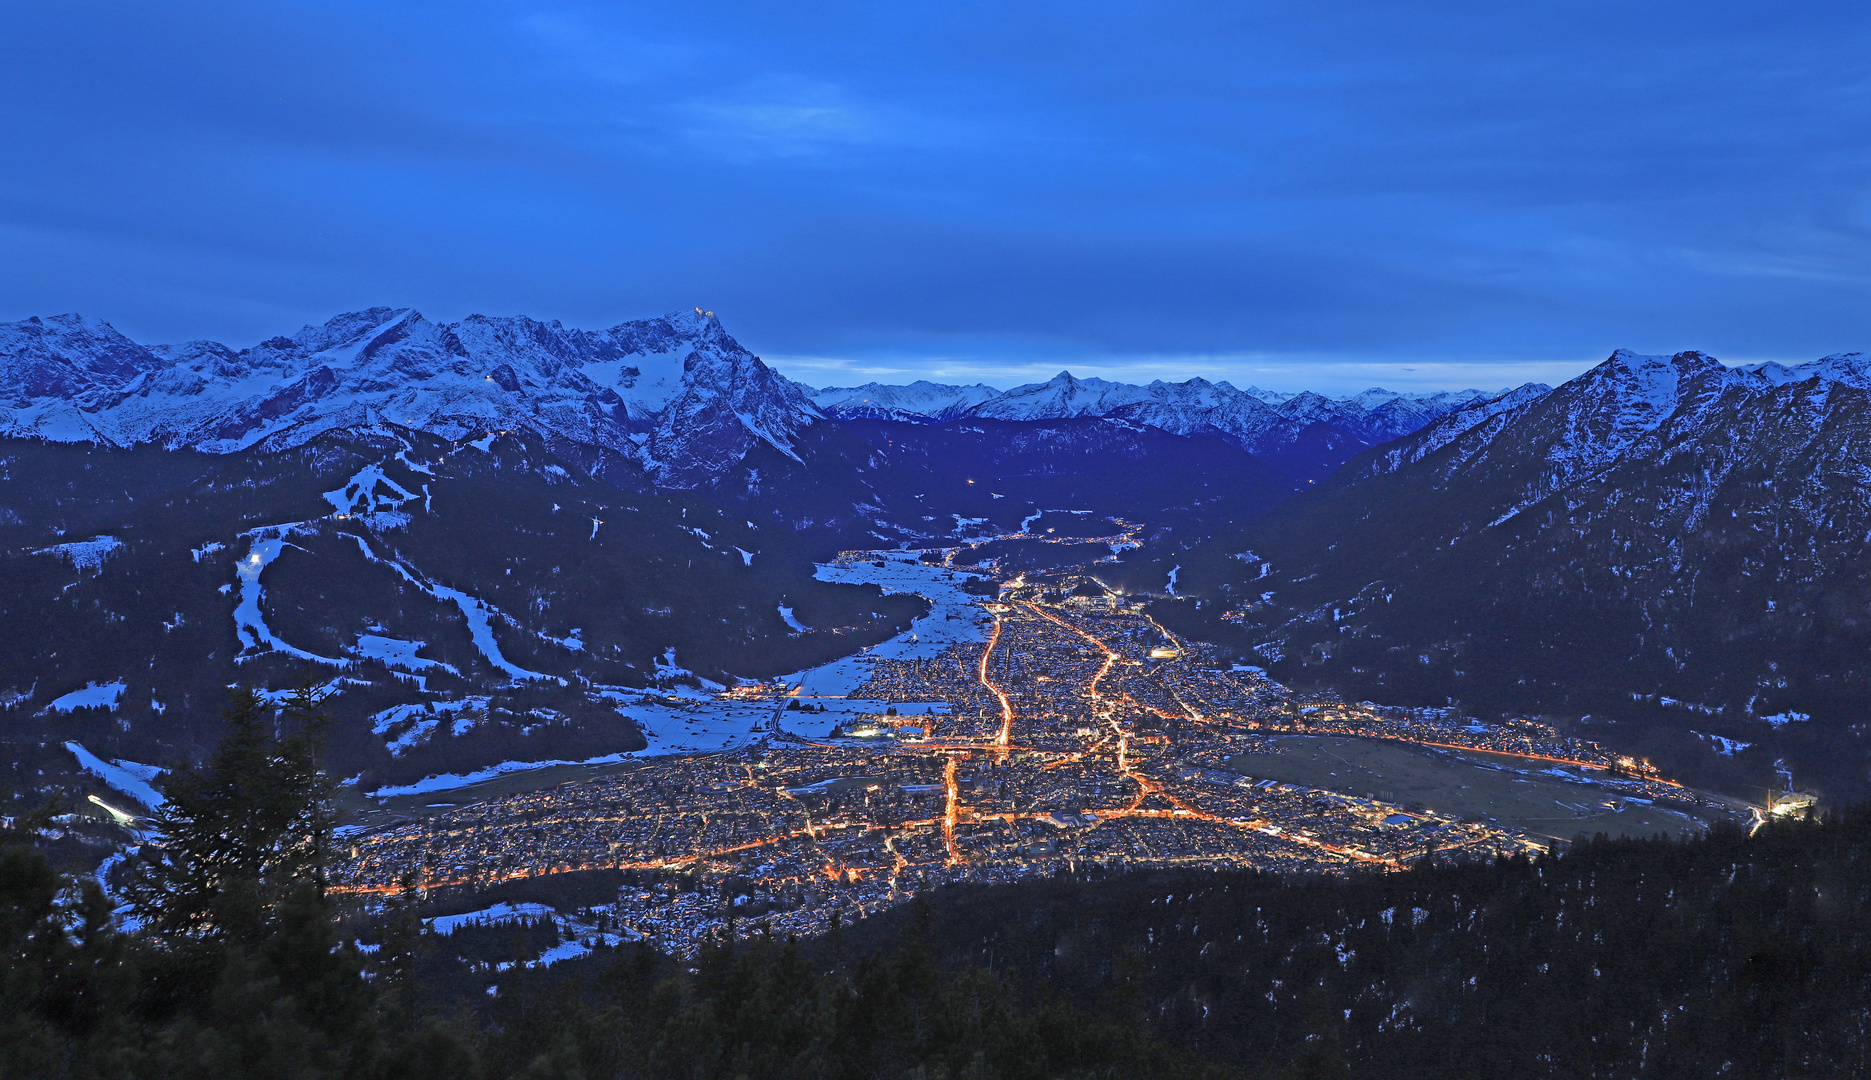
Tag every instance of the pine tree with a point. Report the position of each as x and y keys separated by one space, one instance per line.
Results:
x=401 y=952
x=246 y=832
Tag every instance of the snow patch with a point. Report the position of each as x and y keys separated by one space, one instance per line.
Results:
x=394 y=652
x=266 y=544
x=1723 y=746
x=126 y=776
x=85 y=554
x=666 y=666
x=423 y=719
x=416 y=734
x=92 y=696
x=360 y=494
x=493 y=916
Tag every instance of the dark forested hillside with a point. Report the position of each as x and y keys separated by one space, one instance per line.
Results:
x=1728 y=956
x=139 y=573
x=884 y=482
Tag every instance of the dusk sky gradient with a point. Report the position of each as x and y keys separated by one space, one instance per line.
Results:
x=1326 y=196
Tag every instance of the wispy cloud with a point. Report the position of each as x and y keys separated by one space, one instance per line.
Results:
x=786 y=118
x=1468 y=196
x=584 y=47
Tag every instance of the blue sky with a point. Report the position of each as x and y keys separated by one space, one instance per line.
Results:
x=1295 y=195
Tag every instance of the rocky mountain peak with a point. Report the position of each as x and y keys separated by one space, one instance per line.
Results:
x=917 y=402
x=676 y=393
x=67 y=358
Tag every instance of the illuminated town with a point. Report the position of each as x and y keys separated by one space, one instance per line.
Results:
x=1073 y=731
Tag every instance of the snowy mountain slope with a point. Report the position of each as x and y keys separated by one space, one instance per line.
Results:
x=677 y=394
x=1403 y=414
x=1662 y=539
x=1851 y=369
x=57 y=373
x=918 y=402
x=1434 y=436
x=1063 y=397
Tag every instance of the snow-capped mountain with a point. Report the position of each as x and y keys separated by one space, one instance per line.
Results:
x=676 y=394
x=920 y=402
x=1630 y=405
x=1064 y=397
x=1306 y=432
x=1663 y=539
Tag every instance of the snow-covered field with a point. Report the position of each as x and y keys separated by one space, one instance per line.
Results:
x=687 y=721
x=582 y=936
x=91 y=696
x=954 y=616
x=684 y=720
x=493 y=916
x=85 y=554
x=130 y=777
x=396 y=653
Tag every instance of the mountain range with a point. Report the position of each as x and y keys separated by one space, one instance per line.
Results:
x=1307 y=434
x=675 y=395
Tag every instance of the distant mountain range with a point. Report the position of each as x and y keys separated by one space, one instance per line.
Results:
x=1306 y=433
